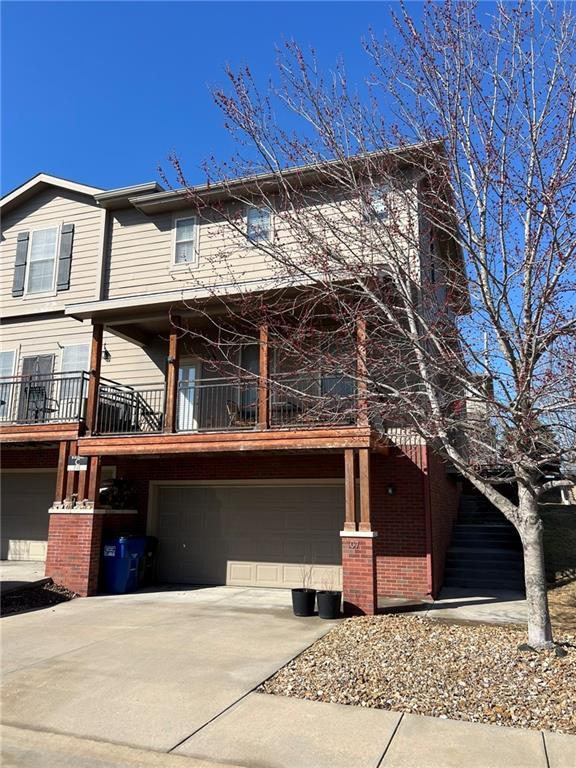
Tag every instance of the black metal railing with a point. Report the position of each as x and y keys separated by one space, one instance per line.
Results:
x=123 y=409
x=228 y=404
x=42 y=399
x=219 y=404
x=304 y=401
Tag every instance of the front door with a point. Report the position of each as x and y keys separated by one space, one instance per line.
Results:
x=187 y=394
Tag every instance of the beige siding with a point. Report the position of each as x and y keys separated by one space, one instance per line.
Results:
x=130 y=364
x=141 y=258
x=51 y=208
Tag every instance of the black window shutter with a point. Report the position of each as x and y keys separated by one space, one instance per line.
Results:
x=65 y=257
x=20 y=264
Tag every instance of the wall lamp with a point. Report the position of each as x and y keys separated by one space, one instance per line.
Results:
x=106 y=354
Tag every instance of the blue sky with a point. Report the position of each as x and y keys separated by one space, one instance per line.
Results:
x=101 y=92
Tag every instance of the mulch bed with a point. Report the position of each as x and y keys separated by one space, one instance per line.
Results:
x=416 y=665
x=33 y=598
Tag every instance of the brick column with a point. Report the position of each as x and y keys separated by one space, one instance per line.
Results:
x=359 y=572
x=74 y=545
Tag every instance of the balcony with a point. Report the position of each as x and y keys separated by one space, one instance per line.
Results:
x=228 y=404
x=37 y=399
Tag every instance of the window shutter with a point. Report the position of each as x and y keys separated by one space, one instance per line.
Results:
x=20 y=264
x=65 y=257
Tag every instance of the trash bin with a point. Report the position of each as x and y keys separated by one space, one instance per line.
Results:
x=122 y=558
x=147 y=571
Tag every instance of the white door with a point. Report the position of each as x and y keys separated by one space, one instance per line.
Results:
x=187 y=391
x=26 y=499
x=251 y=535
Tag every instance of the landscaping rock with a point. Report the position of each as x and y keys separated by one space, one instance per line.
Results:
x=33 y=598
x=416 y=665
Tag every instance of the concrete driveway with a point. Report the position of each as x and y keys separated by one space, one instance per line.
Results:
x=147 y=669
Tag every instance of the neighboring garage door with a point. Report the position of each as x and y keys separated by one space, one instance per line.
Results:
x=26 y=499
x=250 y=535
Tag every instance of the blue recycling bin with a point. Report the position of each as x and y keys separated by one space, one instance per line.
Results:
x=122 y=558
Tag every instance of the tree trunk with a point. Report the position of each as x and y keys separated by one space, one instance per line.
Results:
x=531 y=534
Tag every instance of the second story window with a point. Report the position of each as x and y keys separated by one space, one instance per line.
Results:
x=186 y=241
x=258 y=224
x=75 y=358
x=379 y=202
x=42 y=260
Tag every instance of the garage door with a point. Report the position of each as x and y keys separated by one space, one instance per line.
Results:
x=26 y=498
x=267 y=536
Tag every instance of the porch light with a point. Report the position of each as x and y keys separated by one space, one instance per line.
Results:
x=106 y=356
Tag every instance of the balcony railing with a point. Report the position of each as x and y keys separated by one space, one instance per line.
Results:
x=122 y=409
x=38 y=399
x=306 y=401
x=218 y=404
x=228 y=404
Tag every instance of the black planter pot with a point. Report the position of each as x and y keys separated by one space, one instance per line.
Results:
x=329 y=604
x=303 y=601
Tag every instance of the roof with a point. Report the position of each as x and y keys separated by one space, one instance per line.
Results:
x=121 y=197
x=167 y=200
x=39 y=182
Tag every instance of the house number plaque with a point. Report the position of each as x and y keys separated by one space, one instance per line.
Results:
x=77 y=463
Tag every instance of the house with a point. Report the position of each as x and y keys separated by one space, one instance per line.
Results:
x=240 y=484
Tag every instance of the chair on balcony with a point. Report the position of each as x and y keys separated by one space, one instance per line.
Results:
x=235 y=416
x=37 y=404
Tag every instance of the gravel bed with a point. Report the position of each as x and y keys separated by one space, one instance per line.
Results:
x=32 y=598
x=412 y=664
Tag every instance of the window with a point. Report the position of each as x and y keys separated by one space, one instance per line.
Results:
x=7 y=358
x=186 y=236
x=258 y=224
x=379 y=204
x=42 y=260
x=75 y=358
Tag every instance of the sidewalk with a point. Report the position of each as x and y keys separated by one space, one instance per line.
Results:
x=490 y=606
x=262 y=731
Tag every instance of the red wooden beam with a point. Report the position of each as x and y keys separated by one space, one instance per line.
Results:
x=94 y=381
x=350 y=490
x=263 y=377
x=364 y=460
x=171 y=408
x=361 y=372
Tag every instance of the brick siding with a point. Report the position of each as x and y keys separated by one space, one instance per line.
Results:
x=413 y=524
x=358 y=575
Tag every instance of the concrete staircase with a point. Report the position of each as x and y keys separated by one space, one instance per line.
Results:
x=485 y=552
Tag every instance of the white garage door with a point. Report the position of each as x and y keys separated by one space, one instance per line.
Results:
x=267 y=536
x=26 y=498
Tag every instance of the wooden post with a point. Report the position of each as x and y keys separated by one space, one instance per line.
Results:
x=83 y=482
x=94 y=382
x=94 y=467
x=71 y=477
x=61 y=474
x=361 y=373
x=172 y=380
x=263 y=377
x=364 y=459
x=350 y=490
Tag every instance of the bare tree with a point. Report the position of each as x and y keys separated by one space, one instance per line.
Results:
x=431 y=210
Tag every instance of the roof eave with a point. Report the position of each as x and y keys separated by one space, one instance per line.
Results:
x=41 y=181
